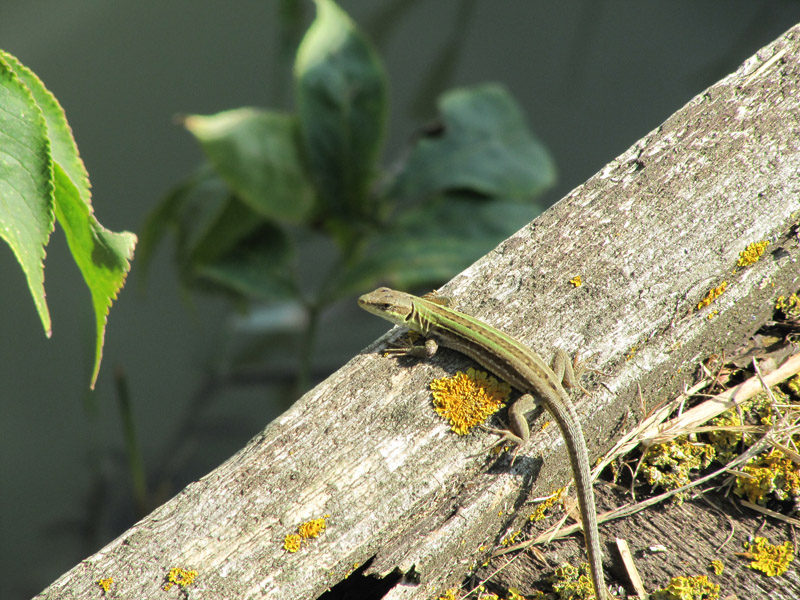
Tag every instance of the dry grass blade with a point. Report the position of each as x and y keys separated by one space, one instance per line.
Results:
x=770 y=513
x=718 y=404
x=630 y=568
x=653 y=430
x=629 y=509
x=788 y=452
x=634 y=437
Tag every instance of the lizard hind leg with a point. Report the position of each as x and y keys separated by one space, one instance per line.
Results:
x=506 y=436
x=517 y=431
x=569 y=372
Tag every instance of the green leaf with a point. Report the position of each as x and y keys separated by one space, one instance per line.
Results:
x=221 y=244
x=26 y=182
x=101 y=255
x=484 y=146
x=342 y=104
x=242 y=254
x=186 y=210
x=430 y=245
x=257 y=154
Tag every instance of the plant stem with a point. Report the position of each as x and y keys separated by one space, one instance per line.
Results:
x=135 y=462
x=307 y=348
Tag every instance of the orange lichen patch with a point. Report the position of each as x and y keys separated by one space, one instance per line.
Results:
x=105 y=583
x=752 y=253
x=712 y=295
x=688 y=588
x=576 y=281
x=717 y=566
x=770 y=560
x=467 y=399
x=181 y=577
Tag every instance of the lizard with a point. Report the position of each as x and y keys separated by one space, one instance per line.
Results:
x=520 y=367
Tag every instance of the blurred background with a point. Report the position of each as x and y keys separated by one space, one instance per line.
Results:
x=591 y=78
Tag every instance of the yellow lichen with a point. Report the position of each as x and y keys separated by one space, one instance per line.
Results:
x=688 y=588
x=313 y=528
x=751 y=254
x=790 y=307
x=762 y=406
x=310 y=529
x=631 y=353
x=352 y=570
x=105 y=583
x=511 y=539
x=292 y=542
x=712 y=295
x=725 y=440
x=467 y=399
x=451 y=594
x=181 y=577
x=717 y=566
x=668 y=465
x=770 y=560
x=793 y=385
x=573 y=583
x=771 y=473
x=576 y=281
x=538 y=514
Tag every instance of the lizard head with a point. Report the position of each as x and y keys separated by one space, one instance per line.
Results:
x=392 y=305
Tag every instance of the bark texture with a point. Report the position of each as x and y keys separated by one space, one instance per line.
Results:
x=649 y=234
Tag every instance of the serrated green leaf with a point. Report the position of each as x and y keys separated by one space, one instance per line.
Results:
x=26 y=182
x=257 y=154
x=432 y=244
x=484 y=146
x=63 y=148
x=242 y=254
x=342 y=104
x=102 y=256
